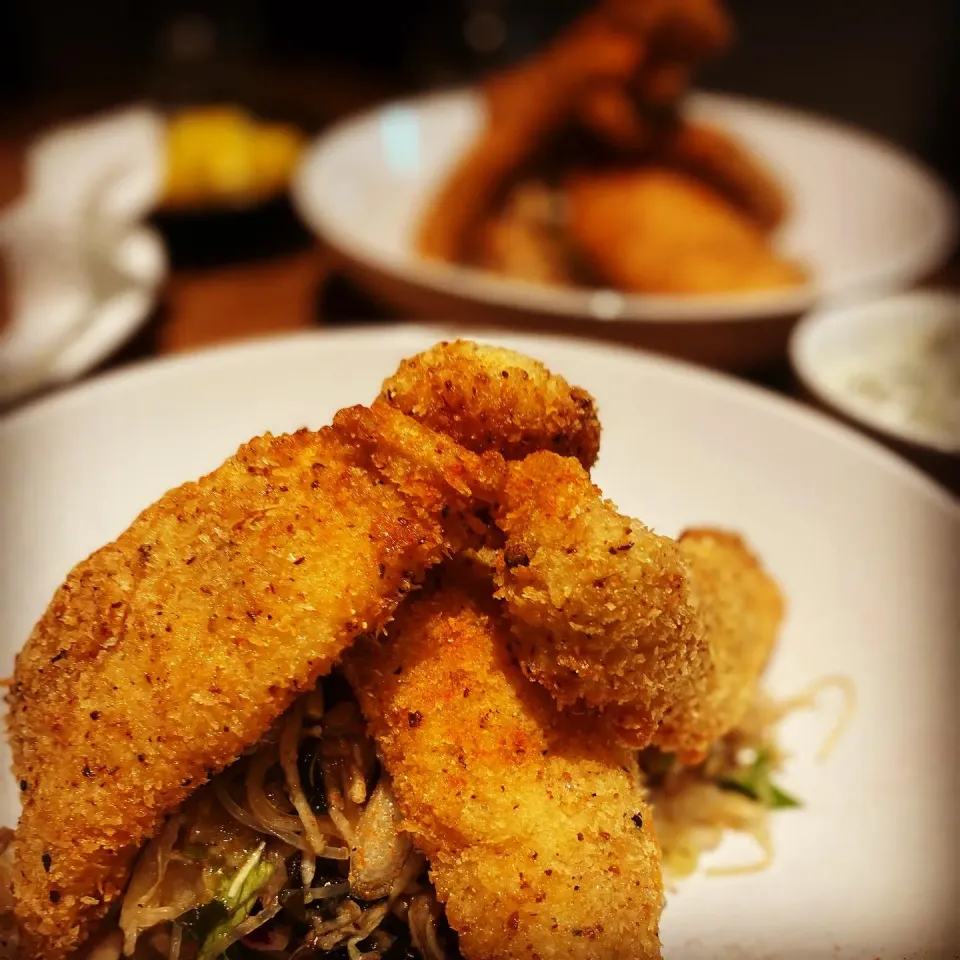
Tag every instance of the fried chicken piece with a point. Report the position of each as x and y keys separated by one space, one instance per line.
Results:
x=600 y=606
x=489 y=398
x=169 y=651
x=722 y=162
x=653 y=230
x=539 y=839
x=741 y=608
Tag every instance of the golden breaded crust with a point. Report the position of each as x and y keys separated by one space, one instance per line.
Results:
x=537 y=833
x=599 y=605
x=169 y=651
x=741 y=608
x=488 y=398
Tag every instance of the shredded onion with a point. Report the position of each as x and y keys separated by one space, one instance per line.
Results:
x=308 y=868
x=325 y=893
x=289 y=746
x=694 y=806
x=337 y=803
x=176 y=941
x=807 y=699
x=259 y=812
x=380 y=847
x=423 y=917
x=244 y=817
x=138 y=911
x=259 y=803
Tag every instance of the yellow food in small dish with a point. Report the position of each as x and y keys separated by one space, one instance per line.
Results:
x=221 y=156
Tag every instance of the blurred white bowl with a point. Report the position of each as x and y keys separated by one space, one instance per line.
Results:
x=866 y=219
x=890 y=365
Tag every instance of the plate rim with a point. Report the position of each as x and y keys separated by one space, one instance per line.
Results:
x=733 y=308
x=420 y=335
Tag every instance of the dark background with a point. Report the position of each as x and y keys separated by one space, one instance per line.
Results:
x=890 y=66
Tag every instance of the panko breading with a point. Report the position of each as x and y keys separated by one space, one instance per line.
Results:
x=741 y=608
x=489 y=398
x=169 y=651
x=538 y=836
x=653 y=230
x=599 y=605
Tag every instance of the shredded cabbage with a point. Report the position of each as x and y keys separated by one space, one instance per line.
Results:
x=239 y=896
x=295 y=850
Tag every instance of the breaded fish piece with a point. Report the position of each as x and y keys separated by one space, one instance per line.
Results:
x=489 y=398
x=539 y=839
x=169 y=651
x=723 y=162
x=741 y=607
x=591 y=78
x=600 y=606
x=654 y=230
x=524 y=105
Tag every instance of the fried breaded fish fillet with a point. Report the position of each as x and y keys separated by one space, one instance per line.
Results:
x=654 y=230
x=741 y=608
x=615 y=54
x=524 y=106
x=538 y=836
x=490 y=398
x=599 y=605
x=721 y=161
x=169 y=651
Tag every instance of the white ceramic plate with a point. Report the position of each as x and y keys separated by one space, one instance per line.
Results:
x=866 y=549
x=866 y=217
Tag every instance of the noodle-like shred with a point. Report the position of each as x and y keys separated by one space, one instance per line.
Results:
x=253 y=857
x=243 y=816
x=260 y=803
x=695 y=805
x=308 y=868
x=138 y=911
x=424 y=917
x=336 y=801
x=176 y=942
x=289 y=750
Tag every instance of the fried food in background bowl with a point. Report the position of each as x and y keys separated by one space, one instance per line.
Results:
x=656 y=230
x=636 y=197
x=454 y=204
